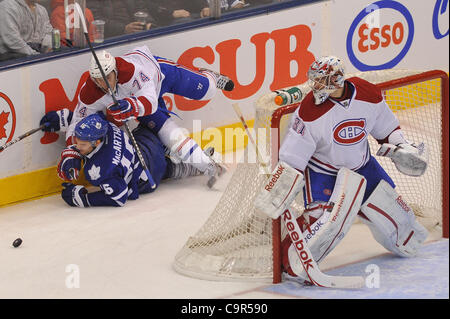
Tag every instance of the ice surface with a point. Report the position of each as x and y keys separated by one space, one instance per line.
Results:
x=128 y=252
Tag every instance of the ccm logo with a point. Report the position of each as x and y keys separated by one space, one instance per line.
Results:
x=298 y=243
x=274 y=178
x=350 y=132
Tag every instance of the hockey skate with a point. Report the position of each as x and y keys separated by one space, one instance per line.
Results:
x=215 y=169
x=182 y=170
x=222 y=82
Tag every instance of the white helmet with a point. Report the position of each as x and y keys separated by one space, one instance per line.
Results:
x=325 y=75
x=107 y=62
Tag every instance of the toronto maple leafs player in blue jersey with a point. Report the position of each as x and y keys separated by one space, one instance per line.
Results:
x=111 y=163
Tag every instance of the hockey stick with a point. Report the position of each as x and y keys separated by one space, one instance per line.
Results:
x=127 y=128
x=238 y=111
x=310 y=266
x=21 y=137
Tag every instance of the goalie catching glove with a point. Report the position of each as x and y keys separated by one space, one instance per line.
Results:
x=408 y=158
x=280 y=190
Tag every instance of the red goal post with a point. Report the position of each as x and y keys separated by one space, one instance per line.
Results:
x=422 y=79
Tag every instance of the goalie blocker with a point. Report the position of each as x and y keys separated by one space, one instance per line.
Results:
x=280 y=190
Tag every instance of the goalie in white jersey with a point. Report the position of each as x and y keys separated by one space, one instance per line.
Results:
x=139 y=81
x=328 y=140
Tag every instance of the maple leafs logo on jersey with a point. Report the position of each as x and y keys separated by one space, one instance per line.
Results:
x=94 y=172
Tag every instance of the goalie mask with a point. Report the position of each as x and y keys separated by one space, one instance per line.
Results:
x=325 y=75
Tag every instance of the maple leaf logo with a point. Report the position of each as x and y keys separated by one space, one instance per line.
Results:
x=94 y=172
x=3 y=122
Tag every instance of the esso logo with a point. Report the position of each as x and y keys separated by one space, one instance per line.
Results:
x=380 y=36
x=7 y=119
x=350 y=132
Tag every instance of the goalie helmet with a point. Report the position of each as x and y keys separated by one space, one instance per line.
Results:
x=325 y=75
x=91 y=128
x=107 y=62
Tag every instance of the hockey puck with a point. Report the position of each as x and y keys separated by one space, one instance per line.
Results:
x=17 y=242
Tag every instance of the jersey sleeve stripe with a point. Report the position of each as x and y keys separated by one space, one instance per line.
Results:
x=119 y=198
x=308 y=196
x=148 y=107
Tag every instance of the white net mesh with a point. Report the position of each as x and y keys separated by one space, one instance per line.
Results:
x=235 y=243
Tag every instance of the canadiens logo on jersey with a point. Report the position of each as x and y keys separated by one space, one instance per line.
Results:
x=350 y=132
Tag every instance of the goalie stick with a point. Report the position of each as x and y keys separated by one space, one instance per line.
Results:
x=315 y=275
x=21 y=137
x=127 y=128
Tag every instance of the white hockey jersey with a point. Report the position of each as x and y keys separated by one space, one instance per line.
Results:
x=333 y=135
x=139 y=75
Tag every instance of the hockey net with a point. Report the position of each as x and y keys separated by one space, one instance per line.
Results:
x=239 y=243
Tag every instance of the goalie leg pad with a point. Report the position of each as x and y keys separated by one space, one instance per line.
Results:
x=337 y=218
x=392 y=222
x=282 y=187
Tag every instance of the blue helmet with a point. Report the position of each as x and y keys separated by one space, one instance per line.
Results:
x=91 y=128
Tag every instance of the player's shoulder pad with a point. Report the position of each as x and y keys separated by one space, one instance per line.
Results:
x=125 y=70
x=309 y=111
x=90 y=92
x=366 y=91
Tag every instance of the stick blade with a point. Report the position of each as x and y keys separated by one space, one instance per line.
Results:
x=346 y=282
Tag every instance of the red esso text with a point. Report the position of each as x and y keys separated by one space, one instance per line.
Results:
x=373 y=38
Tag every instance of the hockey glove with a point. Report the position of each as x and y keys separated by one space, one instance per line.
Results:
x=75 y=195
x=125 y=110
x=69 y=165
x=57 y=120
x=409 y=159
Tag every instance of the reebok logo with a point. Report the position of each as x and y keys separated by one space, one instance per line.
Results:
x=341 y=201
x=298 y=243
x=314 y=229
x=402 y=204
x=274 y=178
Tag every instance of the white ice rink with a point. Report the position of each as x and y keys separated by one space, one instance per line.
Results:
x=128 y=252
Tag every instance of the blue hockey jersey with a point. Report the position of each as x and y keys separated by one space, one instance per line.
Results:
x=114 y=166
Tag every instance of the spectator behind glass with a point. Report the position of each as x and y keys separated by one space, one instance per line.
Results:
x=119 y=16
x=167 y=12
x=262 y=2
x=58 y=18
x=226 y=5
x=25 y=29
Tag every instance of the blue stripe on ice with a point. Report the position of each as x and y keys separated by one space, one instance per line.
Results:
x=422 y=277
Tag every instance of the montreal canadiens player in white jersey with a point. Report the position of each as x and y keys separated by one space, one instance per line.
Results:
x=111 y=163
x=325 y=150
x=139 y=81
